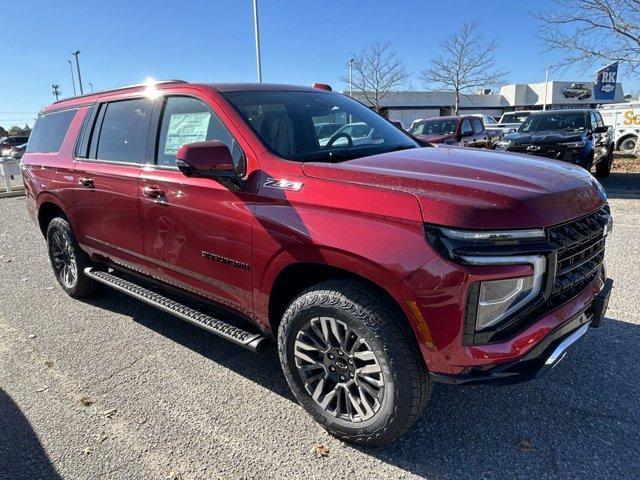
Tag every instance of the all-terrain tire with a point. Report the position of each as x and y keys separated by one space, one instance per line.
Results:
x=72 y=278
x=407 y=383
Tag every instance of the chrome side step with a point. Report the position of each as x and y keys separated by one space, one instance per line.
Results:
x=253 y=341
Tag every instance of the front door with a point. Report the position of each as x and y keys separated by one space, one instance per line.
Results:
x=106 y=196
x=196 y=231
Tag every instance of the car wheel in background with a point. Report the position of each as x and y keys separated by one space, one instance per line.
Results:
x=628 y=145
x=68 y=260
x=349 y=360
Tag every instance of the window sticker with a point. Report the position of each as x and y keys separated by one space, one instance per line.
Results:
x=186 y=128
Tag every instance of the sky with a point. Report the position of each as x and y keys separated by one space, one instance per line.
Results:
x=302 y=42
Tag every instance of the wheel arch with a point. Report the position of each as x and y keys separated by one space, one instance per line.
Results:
x=49 y=208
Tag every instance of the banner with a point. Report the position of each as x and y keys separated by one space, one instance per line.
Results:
x=605 y=87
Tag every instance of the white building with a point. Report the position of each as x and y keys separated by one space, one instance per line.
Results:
x=408 y=106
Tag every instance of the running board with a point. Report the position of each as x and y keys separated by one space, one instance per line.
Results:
x=253 y=341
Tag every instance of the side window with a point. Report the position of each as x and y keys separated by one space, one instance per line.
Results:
x=466 y=127
x=123 y=127
x=477 y=125
x=594 y=121
x=599 y=119
x=49 y=131
x=189 y=120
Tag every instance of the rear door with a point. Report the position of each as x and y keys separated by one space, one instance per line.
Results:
x=110 y=156
x=466 y=132
x=196 y=231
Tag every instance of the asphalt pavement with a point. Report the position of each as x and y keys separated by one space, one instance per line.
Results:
x=112 y=388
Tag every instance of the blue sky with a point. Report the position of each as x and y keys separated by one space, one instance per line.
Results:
x=124 y=42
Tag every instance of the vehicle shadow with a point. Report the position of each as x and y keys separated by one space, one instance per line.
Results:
x=622 y=185
x=581 y=419
x=21 y=454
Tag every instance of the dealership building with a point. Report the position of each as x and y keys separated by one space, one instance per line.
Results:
x=407 y=106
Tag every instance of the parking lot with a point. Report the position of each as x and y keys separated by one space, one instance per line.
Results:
x=114 y=389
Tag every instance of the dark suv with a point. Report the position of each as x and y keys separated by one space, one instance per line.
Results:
x=575 y=136
x=377 y=267
x=7 y=143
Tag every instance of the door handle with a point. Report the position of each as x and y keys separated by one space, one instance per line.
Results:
x=86 y=182
x=152 y=191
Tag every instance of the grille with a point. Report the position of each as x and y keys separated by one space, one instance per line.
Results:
x=580 y=252
x=548 y=152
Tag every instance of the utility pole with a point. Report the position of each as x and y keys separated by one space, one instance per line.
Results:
x=75 y=54
x=546 y=83
x=351 y=60
x=56 y=90
x=73 y=82
x=257 y=34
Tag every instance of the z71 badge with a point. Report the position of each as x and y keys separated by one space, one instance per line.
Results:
x=283 y=184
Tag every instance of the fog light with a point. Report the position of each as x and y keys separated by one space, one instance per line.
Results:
x=498 y=298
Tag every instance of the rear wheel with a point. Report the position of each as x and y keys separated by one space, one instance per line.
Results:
x=628 y=145
x=68 y=260
x=351 y=364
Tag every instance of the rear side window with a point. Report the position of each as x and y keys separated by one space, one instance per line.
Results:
x=123 y=128
x=466 y=127
x=49 y=131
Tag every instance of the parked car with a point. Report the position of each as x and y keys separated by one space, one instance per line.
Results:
x=8 y=143
x=510 y=121
x=624 y=120
x=574 y=136
x=17 y=152
x=377 y=268
x=463 y=130
x=487 y=120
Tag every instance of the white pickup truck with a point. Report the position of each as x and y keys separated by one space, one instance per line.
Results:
x=624 y=120
x=510 y=121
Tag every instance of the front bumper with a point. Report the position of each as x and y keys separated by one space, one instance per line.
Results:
x=543 y=356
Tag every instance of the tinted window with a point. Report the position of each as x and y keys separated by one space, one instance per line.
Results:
x=286 y=122
x=123 y=132
x=437 y=126
x=189 y=120
x=477 y=125
x=569 y=121
x=49 y=132
x=466 y=127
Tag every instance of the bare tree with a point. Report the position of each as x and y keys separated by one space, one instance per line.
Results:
x=377 y=70
x=467 y=63
x=591 y=32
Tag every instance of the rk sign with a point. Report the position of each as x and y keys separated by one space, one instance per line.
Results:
x=605 y=87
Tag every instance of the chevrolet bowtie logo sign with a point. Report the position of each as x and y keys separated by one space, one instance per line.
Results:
x=533 y=148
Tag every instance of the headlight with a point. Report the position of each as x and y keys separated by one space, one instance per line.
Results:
x=503 y=144
x=497 y=299
x=579 y=144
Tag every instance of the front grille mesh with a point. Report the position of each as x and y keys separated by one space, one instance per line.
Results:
x=580 y=252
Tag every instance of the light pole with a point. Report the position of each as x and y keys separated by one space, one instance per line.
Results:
x=546 y=83
x=75 y=54
x=73 y=82
x=351 y=60
x=56 y=90
x=257 y=34
x=91 y=86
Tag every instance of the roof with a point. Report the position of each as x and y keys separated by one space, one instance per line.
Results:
x=260 y=87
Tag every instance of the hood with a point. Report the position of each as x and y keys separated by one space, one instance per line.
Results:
x=479 y=189
x=546 y=137
x=433 y=137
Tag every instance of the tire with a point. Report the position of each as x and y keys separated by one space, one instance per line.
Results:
x=385 y=349
x=627 y=145
x=603 y=167
x=588 y=163
x=68 y=261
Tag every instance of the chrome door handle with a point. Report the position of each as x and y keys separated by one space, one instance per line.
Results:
x=152 y=191
x=86 y=182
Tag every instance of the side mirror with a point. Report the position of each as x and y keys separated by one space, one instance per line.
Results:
x=601 y=129
x=208 y=159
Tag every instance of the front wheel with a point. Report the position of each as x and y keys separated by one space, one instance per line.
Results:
x=351 y=364
x=68 y=260
x=603 y=167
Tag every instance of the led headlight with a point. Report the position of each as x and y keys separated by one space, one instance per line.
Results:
x=497 y=299
x=579 y=144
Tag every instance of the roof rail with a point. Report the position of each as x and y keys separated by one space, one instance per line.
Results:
x=158 y=82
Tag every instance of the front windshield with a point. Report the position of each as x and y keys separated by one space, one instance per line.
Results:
x=436 y=126
x=571 y=121
x=514 y=117
x=294 y=125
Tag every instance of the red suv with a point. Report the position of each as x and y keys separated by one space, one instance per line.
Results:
x=376 y=266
